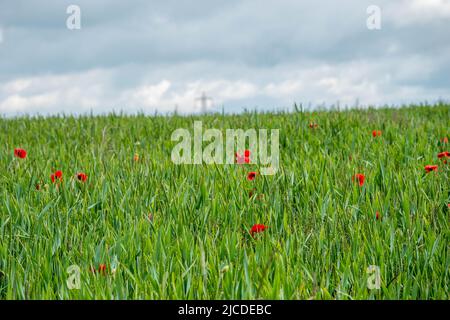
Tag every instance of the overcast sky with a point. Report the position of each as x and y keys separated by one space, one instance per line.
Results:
x=155 y=55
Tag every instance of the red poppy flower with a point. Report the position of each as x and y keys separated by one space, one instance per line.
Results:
x=20 y=153
x=444 y=154
x=242 y=159
x=82 y=177
x=430 y=168
x=56 y=176
x=247 y=156
x=257 y=228
x=360 y=177
x=251 y=176
x=102 y=268
x=376 y=133
x=313 y=125
x=377 y=215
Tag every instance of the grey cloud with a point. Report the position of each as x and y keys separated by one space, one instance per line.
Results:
x=279 y=51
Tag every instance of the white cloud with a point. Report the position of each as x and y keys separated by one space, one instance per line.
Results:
x=16 y=86
x=146 y=95
x=369 y=82
x=17 y=103
x=283 y=88
x=53 y=93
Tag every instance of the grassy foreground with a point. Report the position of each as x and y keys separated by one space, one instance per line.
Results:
x=149 y=229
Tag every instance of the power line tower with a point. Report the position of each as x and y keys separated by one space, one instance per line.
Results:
x=204 y=102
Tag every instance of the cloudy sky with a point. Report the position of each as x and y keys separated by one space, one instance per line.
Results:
x=254 y=54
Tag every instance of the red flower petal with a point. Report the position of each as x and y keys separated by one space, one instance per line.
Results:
x=102 y=268
x=361 y=178
x=376 y=133
x=82 y=176
x=444 y=154
x=430 y=168
x=56 y=175
x=251 y=176
x=20 y=153
x=257 y=228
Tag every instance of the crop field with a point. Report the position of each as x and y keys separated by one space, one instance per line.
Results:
x=358 y=209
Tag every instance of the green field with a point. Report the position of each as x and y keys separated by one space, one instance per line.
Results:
x=166 y=231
